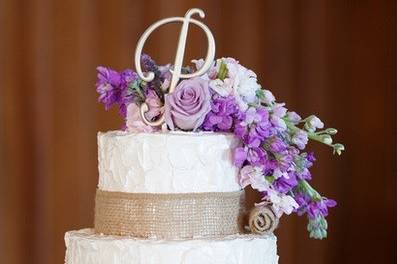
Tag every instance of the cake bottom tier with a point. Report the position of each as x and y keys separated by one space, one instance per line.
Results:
x=86 y=247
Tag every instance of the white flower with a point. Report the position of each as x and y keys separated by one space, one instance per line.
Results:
x=134 y=121
x=250 y=175
x=279 y=110
x=277 y=173
x=300 y=139
x=293 y=117
x=239 y=82
x=268 y=97
x=312 y=123
x=281 y=203
x=279 y=123
x=223 y=88
x=245 y=84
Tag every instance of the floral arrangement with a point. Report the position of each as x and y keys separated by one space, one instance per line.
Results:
x=228 y=98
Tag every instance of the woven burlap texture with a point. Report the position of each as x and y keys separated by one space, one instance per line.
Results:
x=168 y=216
x=263 y=220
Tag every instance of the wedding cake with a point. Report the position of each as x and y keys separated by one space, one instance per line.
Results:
x=171 y=181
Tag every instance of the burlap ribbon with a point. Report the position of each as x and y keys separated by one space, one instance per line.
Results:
x=168 y=216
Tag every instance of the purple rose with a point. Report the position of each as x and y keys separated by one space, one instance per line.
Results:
x=188 y=105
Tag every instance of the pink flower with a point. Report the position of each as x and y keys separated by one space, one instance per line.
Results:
x=281 y=203
x=188 y=105
x=250 y=175
x=134 y=122
x=155 y=105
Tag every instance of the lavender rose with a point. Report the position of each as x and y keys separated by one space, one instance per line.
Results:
x=188 y=105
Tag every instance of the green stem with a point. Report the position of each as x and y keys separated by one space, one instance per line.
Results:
x=311 y=135
x=308 y=189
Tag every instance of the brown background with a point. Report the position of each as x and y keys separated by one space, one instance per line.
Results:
x=337 y=59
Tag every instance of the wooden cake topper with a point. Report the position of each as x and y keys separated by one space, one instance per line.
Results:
x=176 y=72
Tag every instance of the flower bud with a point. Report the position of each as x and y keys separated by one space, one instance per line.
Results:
x=331 y=131
x=326 y=139
x=338 y=148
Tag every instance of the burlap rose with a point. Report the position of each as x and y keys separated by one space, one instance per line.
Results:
x=262 y=220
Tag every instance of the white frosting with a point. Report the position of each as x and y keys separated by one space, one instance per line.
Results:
x=85 y=247
x=166 y=162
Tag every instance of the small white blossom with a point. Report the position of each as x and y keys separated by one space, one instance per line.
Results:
x=281 y=203
x=300 y=139
x=312 y=123
x=250 y=175
x=293 y=117
x=268 y=97
x=279 y=123
x=277 y=173
x=245 y=84
x=223 y=88
x=279 y=110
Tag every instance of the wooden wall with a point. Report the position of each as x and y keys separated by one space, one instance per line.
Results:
x=334 y=58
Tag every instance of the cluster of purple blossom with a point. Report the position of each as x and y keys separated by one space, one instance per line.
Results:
x=228 y=99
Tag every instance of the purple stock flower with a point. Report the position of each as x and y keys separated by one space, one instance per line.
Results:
x=254 y=156
x=221 y=116
x=284 y=160
x=263 y=127
x=149 y=64
x=276 y=144
x=304 y=174
x=269 y=166
x=313 y=208
x=108 y=86
x=240 y=129
x=126 y=77
x=113 y=88
x=253 y=126
x=319 y=208
x=303 y=200
x=252 y=139
x=285 y=184
x=240 y=156
x=310 y=158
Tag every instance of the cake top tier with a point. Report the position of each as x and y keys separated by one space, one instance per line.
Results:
x=167 y=162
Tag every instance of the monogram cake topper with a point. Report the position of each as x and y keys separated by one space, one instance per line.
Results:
x=176 y=72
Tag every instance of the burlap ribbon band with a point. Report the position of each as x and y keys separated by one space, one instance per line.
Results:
x=168 y=216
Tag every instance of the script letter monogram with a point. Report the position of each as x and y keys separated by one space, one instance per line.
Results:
x=176 y=72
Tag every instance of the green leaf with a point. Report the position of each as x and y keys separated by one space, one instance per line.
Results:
x=270 y=179
x=222 y=71
x=260 y=94
x=135 y=86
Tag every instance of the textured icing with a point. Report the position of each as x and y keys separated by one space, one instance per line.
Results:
x=85 y=247
x=166 y=162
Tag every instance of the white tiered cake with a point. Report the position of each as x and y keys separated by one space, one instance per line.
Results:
x=174 y=164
